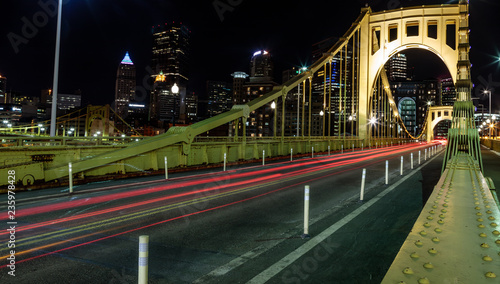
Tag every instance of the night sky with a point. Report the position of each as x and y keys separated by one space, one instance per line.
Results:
x=96 y=34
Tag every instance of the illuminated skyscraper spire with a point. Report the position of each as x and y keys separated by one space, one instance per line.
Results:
x=127 y=60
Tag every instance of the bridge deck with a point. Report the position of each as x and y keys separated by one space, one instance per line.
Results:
x=456 y=237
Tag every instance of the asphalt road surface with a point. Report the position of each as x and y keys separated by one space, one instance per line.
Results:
x=244 y=225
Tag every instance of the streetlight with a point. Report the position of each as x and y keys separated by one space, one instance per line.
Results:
x=53 y=114
x=273 y=106
x=175 y=91
x=489 y=95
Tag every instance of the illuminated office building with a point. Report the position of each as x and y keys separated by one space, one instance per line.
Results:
x=219 y=97
x=125 y=86
x=3 y=90
x=170 y=65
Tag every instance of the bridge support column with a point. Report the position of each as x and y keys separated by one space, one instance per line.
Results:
x=364 y=80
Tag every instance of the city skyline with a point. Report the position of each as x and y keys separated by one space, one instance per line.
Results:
x=99 y=42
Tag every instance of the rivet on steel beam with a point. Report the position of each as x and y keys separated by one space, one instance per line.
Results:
x=428 y=265
x=477 y=208
x=423 y=233
x=423 y=281
x=445 y=204
x=487 y=258
x=493 y=224
x=446 y=200
x=434 y=206
x=489 y=212
x=479 y=214
x=482 y=235
x=480 y=219
x=429 y=218
x=440 y=221
x=436 y=240
x=407 y=270
x=432 y=251
x=485 y=245
x=427 y=225
x=437 y=230
x=432 y=212
x=481 y=226
x=491 y=218
x=441 y=216
x=496 y=233
x=476 y=203
x=491 y=275
x=487 y=206
x=498 y=243
x=418 y=243
x=414 y=255
x=443 y=210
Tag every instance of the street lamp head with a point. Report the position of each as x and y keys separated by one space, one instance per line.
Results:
x=350 y=117
x=273 y=105
x=488 y=120
x=321 y=113
x=373 y=120
x=175 y=88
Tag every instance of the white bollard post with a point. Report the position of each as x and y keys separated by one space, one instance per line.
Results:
x=419 y=157
x=224 y=161
x=143 y=259
x=342 y=149
x=401 y=170
x=263 y=157
x=361 y=146
x=166 y=168
x=362 y=192
x=312 y=152
x=291 y=154
x=306 y=212
x=376 y=145
x=411 y=161
x=70 y=175
x=353 y=147
x=425 y=154
x=386 y=172
x=328 y=150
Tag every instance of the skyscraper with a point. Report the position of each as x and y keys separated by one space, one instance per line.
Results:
x=260 y=121
x=261 y=67
x=448 y=92
x=239 y=79
x=125 y=85
x=219 y=97
x=3 y=91
x=170 y=63
x=397 y=68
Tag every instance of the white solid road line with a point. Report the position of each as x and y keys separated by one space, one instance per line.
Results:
x=276 y=268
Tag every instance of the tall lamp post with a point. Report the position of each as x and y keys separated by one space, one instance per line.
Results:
x=53 y=113
x=322 y=114
x=273 y=107
x=175 y=91
x=489 y=95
